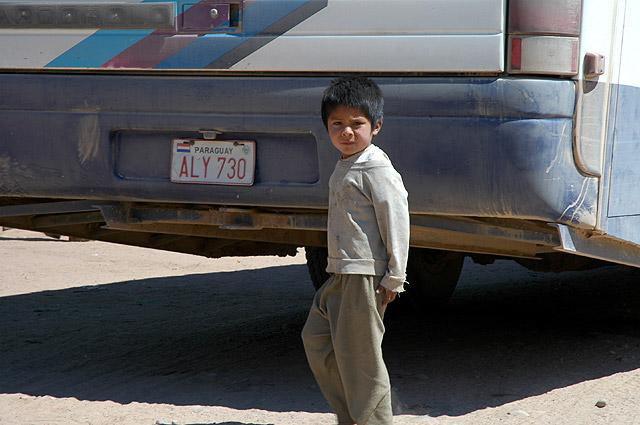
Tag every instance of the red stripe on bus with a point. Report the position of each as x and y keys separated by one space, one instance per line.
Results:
x=161 y=44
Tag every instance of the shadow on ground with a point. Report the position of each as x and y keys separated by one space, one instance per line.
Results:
x=42 y=239
x=212 y=423
x=232 y=339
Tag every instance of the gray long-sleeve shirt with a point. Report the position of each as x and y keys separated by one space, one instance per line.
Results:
x=368 y=227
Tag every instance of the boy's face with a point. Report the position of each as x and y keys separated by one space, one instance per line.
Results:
x=350 y=130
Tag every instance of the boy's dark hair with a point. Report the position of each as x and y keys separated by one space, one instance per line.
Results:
x=354 y=92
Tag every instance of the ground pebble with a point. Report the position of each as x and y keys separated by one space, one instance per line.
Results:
x=601 y=404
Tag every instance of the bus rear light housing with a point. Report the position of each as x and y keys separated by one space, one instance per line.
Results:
x=544 y=37
x=543 y=55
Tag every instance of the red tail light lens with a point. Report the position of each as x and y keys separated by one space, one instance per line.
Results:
x=516 y=54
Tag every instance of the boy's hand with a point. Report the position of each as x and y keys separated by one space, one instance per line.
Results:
x=388 y=296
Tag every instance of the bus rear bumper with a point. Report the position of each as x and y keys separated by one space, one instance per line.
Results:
x=490 y=148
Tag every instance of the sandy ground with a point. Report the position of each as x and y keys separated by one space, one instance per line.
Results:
x=94 y=333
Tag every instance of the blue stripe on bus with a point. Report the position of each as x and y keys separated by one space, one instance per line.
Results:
x=258 y=16
x=95 y=50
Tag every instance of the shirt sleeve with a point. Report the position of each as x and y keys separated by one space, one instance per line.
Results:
x=390 y=203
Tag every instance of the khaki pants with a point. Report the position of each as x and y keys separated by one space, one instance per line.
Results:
x=342 y=339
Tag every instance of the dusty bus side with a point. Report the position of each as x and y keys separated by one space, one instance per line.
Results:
x=515 y=136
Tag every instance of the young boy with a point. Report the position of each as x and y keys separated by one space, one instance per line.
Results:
x=368 y=241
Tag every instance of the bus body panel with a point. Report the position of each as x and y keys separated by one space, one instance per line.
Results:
x=282 y=35
x=624 y=195
x=620 y=203
x=414 y=35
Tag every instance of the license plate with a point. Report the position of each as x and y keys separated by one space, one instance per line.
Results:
x=225 y=162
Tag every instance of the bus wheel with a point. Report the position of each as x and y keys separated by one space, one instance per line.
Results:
x=317 y=265
x=432 y=276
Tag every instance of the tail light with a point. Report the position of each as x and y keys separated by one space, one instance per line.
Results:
x=544 y=37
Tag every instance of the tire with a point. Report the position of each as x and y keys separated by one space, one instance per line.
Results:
x=432 y=276
x=317 y=265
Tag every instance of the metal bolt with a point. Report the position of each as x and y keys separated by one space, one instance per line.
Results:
x=214 y=13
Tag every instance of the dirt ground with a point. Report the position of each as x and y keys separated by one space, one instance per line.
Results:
x=95 y=333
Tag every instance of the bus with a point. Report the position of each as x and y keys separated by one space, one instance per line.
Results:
x=193 y=125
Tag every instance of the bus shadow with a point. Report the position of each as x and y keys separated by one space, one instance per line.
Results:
x=510 y=334
x=232 y=339
x=228 y=339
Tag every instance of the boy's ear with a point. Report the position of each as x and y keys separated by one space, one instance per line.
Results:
x=376 y=128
